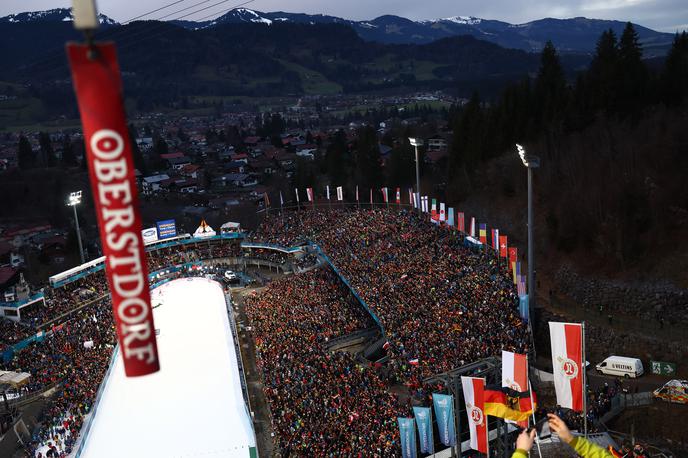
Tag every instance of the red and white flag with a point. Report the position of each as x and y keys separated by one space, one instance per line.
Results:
x=371 y=196
x=411 y=202
x=309 y=193
x=443 y=214
x=356 y=193
x=474 y=394
x=473 y=226
x=398 y=196
x=515 y=373
x=461 y=222
x=385 y=197
x=98 y=87
x=567 y=362
x=503 y=246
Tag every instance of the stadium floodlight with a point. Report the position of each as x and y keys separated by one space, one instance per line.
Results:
x=530 y=162
x=416 y=143
x=73 y=201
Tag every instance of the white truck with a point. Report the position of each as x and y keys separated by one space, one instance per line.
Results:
x=621 y=366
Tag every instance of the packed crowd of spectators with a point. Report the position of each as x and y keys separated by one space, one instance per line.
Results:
x=322 y=403
x=440 y=302
x=73 y=358
x=12 y=332
x=274 y=256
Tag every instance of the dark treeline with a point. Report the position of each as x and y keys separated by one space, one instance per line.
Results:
x=612 y=145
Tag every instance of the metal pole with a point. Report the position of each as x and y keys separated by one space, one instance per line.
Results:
x=531 y=261
x=78 y=235
x=585 y=381
x=420 y=211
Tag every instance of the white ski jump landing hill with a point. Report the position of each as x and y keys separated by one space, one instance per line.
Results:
x=194 y=405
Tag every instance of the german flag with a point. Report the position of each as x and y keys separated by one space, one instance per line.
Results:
x=503 y=402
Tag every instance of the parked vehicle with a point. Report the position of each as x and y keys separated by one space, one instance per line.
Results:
x=621 y=366
x=675 y=391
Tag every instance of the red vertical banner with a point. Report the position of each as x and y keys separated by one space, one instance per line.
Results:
x=513 y=257
x=98 y=88
x=502 y=246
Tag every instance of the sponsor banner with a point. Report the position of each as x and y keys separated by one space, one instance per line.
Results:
x=98 y=87
x=424 y=423
x=567 y=362
x=407 y=437
x=474 y=394
x=166 y=229
x=444 y=412
x=663 y=368
x=150 y=235
x=450 y=217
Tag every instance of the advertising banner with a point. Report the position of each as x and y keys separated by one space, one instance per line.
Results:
x=444 y=412
x=166 y=229
x=150 y=235
x=407 y=437
x=424 y=423
x=98 y=87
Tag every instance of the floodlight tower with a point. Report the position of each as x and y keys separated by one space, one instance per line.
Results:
x=74 y=200
x=416 y=143
x=530 y=162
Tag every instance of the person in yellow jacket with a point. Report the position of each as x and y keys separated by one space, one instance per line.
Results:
x=586 y=449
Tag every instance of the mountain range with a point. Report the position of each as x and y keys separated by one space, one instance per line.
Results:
x=574 y=35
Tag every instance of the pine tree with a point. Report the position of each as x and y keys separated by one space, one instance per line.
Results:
x=675 y=73
x=601 y=85
x=550 y=88
x=632 y=73
x=25 y=155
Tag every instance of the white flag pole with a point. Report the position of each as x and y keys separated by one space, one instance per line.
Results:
x=532 y=406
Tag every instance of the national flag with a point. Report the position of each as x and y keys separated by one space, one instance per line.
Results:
x=309 y=193
x=567 y=360
x=515 y=373
x=474 y=394
x=473 y=226
x=413 y=362
x=443 y=214
x=613 y=452
x=411 y=199
x=461 y=222
x=433 y=211
x=450 y=217
x=267 y=199
x=495 y=239
x=424 y=204
x=281 y=199
x=513 y=257
x=385 y=346
x=521 y=285
x=509 y=404
x=356 y=193
x=502 y=246
x=296 y=190
x=483 y=233
x=398 y=196
x=385 y=196
x=327 y=190
x=517 y=271
x=340 y=193
x=371 y=196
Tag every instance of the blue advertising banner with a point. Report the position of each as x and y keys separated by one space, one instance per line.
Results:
x=450 y=217
x=424 y=422
x=166 y=229
x=523 y=307
x=444 y=411
x=407 y=436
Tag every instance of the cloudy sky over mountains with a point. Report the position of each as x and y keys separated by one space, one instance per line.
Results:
x=663 y=15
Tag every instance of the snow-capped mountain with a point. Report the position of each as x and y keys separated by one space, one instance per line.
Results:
x=54 y=15
x=575 y=35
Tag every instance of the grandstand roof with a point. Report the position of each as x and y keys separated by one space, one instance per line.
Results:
x=194 y=405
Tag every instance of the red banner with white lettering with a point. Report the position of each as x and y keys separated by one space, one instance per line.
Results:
x=98 y=88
